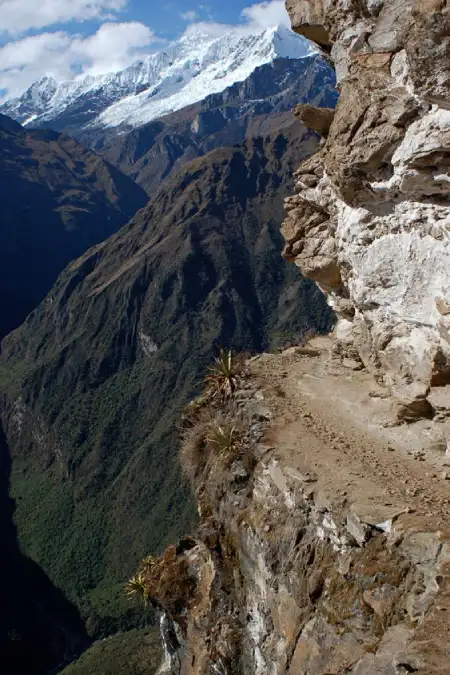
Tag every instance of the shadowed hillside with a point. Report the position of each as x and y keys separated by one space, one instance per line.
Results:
x=39 y=628
x=56 y=200
x=98 y=374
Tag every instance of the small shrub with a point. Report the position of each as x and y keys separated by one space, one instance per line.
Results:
x=193 y=449
x=223 y=379
x=224 y=439
x=165 y=582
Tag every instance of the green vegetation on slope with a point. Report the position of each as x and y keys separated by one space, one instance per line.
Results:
x=137 y=652
x=39 y=628
x=95 y=380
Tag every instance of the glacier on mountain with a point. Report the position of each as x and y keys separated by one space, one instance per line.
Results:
x=183 y=73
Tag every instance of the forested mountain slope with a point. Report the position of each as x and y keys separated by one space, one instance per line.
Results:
x=93 y=382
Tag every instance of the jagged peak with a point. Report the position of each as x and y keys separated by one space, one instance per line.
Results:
x=183 y=72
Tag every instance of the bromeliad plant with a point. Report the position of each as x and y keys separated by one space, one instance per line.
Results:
x=221 y=383
x=223 y=379
x=136 y=588
x=224 y=438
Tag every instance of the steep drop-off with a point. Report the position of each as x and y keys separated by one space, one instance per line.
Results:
x=93 y=382
x=56 y=200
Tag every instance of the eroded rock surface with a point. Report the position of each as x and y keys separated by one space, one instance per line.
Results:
x=324 y=544
x=370 y=222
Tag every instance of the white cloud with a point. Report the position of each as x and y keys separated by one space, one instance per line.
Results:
x=115 y=45
x=209 y=28
x=256 y=18
x=189 y=16
x=267 y=14
x=60 y=55
x=19 y=16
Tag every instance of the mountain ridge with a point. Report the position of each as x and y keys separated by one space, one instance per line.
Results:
x=258 y=106
x=185 y=72
x=57 y=200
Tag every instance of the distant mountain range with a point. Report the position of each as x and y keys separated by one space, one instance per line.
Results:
x=183 y=73
x=258 y=106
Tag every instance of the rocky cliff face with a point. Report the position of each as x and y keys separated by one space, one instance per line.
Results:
x=321 y=548
x=370 y=220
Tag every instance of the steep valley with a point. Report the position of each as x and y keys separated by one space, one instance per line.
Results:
x=94 y=381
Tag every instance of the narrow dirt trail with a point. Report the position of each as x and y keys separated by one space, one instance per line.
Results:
x=338 y=424
x=335 y=427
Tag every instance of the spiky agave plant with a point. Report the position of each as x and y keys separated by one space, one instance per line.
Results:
x=136 y=587
x=148 y=563
x=224 y=438
x=223 y=379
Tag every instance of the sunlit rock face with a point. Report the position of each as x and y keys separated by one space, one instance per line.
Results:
x=370 y=222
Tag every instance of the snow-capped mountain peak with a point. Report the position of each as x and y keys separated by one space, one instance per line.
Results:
x=183 y=73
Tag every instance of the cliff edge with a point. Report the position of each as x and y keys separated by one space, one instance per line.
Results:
x=324 y=539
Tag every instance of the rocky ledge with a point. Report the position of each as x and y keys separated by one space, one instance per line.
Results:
x=370 y=220
x=323 y=546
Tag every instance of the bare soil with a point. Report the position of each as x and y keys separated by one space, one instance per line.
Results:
x=336 y=425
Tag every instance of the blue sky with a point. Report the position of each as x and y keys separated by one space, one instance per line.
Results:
x=171 y=18
x=63 y=38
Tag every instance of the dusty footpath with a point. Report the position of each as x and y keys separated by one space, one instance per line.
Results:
x=331 y=423
x=324 y=538
x=338 y=422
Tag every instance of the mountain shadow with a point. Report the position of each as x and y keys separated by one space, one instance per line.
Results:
x=97 y=376
x=39 y=628
x=56 y=200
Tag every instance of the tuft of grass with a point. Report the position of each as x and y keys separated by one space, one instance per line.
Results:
x=136 y=588
x=224 y=438
x=193 y=450
x=224 y=375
